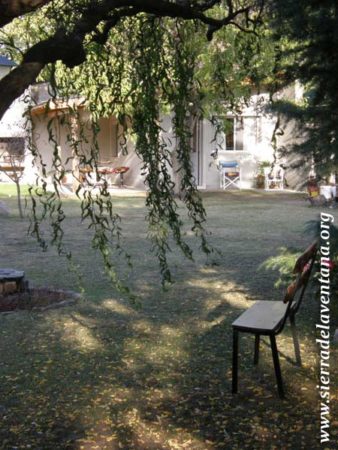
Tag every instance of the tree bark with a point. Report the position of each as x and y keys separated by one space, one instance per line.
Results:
x=18 y=192
x=10 y=9
x=16 y=82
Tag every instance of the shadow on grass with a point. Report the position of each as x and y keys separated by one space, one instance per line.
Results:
x=106 y=376
x=102 y=375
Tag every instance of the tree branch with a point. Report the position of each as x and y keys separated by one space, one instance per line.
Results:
x=102 y=36
x=67 y=45
x=15 y=83
x=9 y=10
x=208 y=4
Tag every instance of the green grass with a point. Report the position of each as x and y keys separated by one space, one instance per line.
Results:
x=9 y=189
x=101 y=375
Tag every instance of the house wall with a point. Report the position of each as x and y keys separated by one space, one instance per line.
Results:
x=258 y=128
x=106 y=138
x=257 y=132
x=297 y=172
x=13 y=124
x=4 y=71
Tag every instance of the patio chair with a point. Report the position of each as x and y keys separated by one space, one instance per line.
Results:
x=314 y=196
x=268 y=318
x=274 y=179
x=230 y=172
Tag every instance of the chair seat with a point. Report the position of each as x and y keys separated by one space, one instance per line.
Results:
x=262 y=317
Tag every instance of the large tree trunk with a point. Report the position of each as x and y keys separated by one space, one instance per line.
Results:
x=16 y=82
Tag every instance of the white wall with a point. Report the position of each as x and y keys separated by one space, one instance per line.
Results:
x=257 y=147
x=13 y=124
x=258 y=130
x=132 y=178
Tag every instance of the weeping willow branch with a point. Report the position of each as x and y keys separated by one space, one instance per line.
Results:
x=96 y=204
x=150 y=144
x=135 y=77
x=182 y=96
x=151 y=74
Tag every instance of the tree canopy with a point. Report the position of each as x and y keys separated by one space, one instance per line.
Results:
x=306 y=39
x=133 y=59
x=71 y=27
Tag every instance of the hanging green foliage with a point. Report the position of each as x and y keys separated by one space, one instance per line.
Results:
x=138 y=67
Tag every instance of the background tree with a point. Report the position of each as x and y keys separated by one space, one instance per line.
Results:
x=306 y=39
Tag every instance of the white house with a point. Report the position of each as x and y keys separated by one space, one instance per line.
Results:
x=246 y=140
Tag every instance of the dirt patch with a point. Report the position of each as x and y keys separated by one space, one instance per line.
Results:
x=37 y=298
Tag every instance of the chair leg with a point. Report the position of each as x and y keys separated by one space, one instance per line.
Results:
x=295 y=340
x=256 y=355
x=235 y=362
x=277 y=366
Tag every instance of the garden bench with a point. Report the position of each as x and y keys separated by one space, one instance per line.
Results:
x=268 y=318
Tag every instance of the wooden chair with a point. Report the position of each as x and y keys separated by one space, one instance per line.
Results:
x=268 y=318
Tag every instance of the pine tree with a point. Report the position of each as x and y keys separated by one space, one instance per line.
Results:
x=306 y=34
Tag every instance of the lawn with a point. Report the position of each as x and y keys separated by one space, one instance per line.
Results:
x=102 y=375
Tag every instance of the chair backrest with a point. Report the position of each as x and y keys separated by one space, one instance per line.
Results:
x=296 y=290
x=229 y=164
x=302 y=269
x=230 y=167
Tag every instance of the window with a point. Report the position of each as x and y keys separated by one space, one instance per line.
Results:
x=233 y=131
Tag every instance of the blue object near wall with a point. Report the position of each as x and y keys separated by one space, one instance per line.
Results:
x=228 y=164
